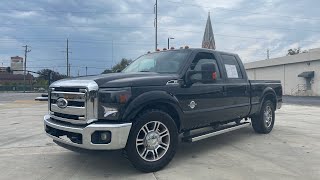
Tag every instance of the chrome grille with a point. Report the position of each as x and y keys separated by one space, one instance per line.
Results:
x=81 y=97
x=75 y=112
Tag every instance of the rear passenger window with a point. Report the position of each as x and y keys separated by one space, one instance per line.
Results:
x=232 y=67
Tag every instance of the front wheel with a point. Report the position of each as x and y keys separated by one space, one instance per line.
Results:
x=264 y=121
x=152 y=141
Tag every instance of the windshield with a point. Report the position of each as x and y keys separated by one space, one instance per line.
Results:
x=160 y=62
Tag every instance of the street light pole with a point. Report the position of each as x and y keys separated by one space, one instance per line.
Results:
x=169 y=42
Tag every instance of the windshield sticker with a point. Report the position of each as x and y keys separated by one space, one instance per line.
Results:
x=231 y=71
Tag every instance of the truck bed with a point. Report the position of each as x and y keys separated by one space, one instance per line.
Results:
x=258 y=87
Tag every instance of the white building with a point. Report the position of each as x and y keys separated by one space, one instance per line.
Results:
x=299 y=74
x=17 y=64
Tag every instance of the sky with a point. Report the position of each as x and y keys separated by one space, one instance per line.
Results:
x=102 y=32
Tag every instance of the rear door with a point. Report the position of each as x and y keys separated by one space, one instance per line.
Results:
x=237 y=100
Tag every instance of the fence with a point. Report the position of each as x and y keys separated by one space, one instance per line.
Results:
x=19 y=88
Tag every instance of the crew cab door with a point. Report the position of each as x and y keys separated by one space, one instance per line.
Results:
x=237 y=96
x=202 y=103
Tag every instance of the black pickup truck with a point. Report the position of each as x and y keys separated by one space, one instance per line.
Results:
x=160 y=98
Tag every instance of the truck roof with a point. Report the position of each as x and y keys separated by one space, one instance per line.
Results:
x=196 y=50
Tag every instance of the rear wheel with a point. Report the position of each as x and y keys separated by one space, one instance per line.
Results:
x=152 y=141
x=264 y=122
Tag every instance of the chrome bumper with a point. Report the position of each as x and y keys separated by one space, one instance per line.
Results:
x=119 y=134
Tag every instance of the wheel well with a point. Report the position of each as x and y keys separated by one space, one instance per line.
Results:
x=272 y=98
x=166 y=107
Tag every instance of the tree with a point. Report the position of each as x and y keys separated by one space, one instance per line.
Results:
x=295 y=51
x=44 y=75
x=118 y=67
x=8 y=69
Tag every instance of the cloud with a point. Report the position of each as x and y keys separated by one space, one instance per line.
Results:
x=23 y=15
x=241 y=26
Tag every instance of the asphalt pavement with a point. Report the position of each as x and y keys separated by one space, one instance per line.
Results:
x=291 y=151
x=11 y=97
x=302 y=100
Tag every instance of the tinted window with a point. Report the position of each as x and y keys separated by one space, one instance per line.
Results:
x=203 y=58
x=160 y=62
x=232 y=67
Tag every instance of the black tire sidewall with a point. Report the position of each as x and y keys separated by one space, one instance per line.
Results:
x=258 y=122
x=263 y=123
x=144 y=118
x=261 y=119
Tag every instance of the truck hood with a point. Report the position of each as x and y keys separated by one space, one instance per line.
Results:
x=127 y=79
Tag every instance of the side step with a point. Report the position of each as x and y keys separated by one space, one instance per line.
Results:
x=204 y=135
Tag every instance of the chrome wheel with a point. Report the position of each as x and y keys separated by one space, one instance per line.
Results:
x=153 y=141
x=268 y=116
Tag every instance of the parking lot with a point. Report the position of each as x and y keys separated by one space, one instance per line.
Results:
x=291 y=151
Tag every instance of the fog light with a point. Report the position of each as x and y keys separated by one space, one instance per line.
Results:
x=104 y=136
x=101 y=137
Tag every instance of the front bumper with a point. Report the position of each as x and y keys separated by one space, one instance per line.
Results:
x=119 y=134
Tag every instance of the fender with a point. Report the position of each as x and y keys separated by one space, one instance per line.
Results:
x=266 y=91
x=148 y=98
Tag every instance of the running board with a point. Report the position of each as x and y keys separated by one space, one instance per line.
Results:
x=204 y=135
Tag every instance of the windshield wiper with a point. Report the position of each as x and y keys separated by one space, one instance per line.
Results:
x=144 y=71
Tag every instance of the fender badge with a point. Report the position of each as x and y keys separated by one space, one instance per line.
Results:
x=192 y=104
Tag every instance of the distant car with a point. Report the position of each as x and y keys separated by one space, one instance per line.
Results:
x=41 y=90
x=144 y=108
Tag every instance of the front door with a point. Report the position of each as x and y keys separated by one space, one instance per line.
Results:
x=200 y=102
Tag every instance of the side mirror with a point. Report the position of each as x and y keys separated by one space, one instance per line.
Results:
x=208 y=74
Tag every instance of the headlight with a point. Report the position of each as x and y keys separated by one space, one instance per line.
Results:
x=112 y=101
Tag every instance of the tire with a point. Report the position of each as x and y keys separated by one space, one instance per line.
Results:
x=263 y=123
x=152 y=141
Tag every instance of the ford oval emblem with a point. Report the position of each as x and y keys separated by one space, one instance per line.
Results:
x=62 y=103
x=192 y=104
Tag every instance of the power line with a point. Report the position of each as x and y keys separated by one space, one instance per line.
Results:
x=72 y=26
x=239 y=10
x=146 y=27
x=244 y=37
x=258 y=26
x=43 y=67
x=74 y=12
x=174 y=2
x=124 y=43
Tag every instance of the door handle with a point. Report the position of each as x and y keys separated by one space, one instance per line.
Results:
x=224 y=91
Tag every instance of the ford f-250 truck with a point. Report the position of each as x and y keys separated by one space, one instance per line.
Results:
x=159 y=98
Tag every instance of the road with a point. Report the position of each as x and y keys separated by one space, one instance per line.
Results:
x=302 y=100
x=291 y=151
x=11 y=97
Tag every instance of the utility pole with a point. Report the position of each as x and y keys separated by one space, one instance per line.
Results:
x=67 y=58
x=112 y=51
x=86 y=70
x=26 y=51
x=69 y=69
x=156 y=24
x=268 y=54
